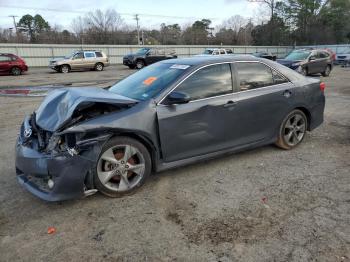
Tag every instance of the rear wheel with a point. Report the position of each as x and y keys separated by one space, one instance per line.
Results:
x=65 y=69
x=16 y=71
x=122 y=167
x=327 y=71
x=292 y=130
x=99 y=67
x=140 y=64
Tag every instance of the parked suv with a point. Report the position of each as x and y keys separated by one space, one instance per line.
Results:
x=146 y=56
x=343 y=58
x=12 y=64
x=78 y=60
x=217 y=51
x=307 y=61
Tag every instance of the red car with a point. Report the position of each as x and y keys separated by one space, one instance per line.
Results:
x=10 y=63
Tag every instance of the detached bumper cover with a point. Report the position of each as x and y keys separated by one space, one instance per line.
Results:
x=68 y=173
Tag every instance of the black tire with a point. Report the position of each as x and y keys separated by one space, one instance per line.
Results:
x=65 y=69
x=16 y=71
x=327 y=71
x=131 y=66
x=282 y=140
x=123 y=141
x=99 y=67
x=140 y=64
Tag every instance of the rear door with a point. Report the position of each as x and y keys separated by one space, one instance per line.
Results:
x=89 y=59
x=265 y=98
x=5 y=63
x=206 y=123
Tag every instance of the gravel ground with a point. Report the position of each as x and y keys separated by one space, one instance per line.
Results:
x=261 y=205
x=46 y=76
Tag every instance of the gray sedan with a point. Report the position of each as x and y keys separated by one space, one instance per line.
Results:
x=172 y=113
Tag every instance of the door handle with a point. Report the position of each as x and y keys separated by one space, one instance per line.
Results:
x=230 y=103
x=287 y=93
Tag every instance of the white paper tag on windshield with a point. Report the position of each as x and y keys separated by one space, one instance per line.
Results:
x=183 y=67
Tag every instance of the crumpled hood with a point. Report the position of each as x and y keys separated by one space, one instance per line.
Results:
x=59 y=105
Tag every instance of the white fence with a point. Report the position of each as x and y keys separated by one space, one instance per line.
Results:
x=40 y=54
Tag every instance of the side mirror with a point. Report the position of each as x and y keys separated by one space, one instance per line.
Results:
x=312 y=58
x=177 y=98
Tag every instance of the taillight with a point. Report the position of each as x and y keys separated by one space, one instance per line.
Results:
x=322 y=86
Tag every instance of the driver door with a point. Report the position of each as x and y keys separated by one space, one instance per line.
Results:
x=77 y=60
x=203 y=125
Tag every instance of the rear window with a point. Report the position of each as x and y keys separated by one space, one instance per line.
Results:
x=150 y=81
x=253 y=75
x=98 y=54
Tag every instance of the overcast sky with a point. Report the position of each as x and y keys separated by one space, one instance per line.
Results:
x=62 y=12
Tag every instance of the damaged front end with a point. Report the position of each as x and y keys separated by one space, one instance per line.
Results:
x=57 y=165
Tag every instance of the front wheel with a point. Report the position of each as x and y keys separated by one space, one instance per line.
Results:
x=140 y=64
x=327 y=71
x=292 y=130
x=122 y=167
x=65 y=69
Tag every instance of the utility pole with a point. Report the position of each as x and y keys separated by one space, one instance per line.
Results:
x=138 y=28
x=14 y=21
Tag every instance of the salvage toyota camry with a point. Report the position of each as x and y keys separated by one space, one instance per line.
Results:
x=175 y=112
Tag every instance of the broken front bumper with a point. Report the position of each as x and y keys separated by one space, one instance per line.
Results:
x=66 y=173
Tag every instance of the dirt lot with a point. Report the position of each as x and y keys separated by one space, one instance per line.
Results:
x=47 y=76
x=262 y=205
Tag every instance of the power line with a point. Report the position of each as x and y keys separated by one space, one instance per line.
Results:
x=84 y=12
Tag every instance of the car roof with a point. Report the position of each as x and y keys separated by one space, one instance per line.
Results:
x=204 y=60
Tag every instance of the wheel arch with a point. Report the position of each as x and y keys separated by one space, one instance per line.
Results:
x=148 y=143
x=70 y=68
x=141 y=59
x=307 y=114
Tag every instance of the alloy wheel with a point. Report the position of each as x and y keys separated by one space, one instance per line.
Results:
x=121 y=168
x=99 y=67
x=294 y=129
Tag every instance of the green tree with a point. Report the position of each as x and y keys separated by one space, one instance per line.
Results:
x=33 y=25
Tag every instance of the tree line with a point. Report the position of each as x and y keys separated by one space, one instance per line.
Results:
x=289 y=22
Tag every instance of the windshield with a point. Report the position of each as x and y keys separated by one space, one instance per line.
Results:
x=298 y=55
x=150 y=81
x=208 y=51
x=142 y=51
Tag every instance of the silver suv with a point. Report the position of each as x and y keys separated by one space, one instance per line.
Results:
x=78 y=60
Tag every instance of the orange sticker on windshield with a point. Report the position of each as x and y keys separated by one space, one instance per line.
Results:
x=149 y=80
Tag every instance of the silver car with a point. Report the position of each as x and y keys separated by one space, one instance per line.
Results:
x=78 y=60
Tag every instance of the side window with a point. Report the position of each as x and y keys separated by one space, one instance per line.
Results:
x=152 y=52
x=209 y=81
x=229 y=51
x=253 y=75
x=324 y=55
x=79 y=55
x=4 y=58
x=216 y=52
x=222 y=52
x=89 y=55
x=98 y=54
